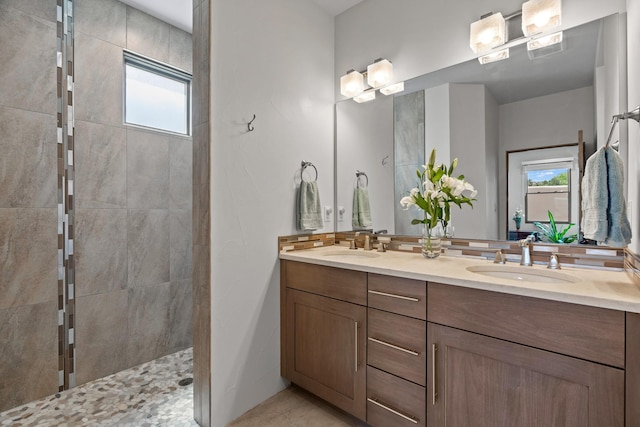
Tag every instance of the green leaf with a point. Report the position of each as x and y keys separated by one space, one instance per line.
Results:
x=432 y=159
x=417 y=221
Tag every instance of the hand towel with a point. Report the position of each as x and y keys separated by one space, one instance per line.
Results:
x=595 y=198
x=361 y=216
x=309 y=215
x=619 y=231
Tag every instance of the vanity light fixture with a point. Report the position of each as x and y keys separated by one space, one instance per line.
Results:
x=351 y=84
x=379 y=75
x=494 y=56
x=366 y=96
x=487 y=33
x=491 y=39
x=539 y=16
x=545 y=41
x=393 y=88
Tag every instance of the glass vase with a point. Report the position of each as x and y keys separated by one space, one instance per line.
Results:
x=431 y=243
x=518 y=221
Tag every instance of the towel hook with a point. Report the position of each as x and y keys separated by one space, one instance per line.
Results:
x=359 y=174
x=304 y=165
x=249 y=127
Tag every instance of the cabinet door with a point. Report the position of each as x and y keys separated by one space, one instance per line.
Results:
x=326 y=349
x=482 y=381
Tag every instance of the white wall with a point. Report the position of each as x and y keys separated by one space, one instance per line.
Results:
x=468 y=144
x=437 y=126
x=365 y=137
x=272 y=58
x=492 y=137
x=539 y=122
x=424 y=36
x=633 y=67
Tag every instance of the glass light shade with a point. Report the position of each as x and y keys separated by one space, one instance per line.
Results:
x=494 y=56
x=351 y=84
x=380 y=73
x=367 y=96
x=539 y=16
x=545 y=41
x=488 y=33
x=391 y=89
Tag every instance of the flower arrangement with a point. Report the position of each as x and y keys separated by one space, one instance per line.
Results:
x=437 y=190
x=518 y=214
x=517 y=218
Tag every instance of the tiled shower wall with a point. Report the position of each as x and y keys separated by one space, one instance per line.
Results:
x=28 y=202
x=132 y=201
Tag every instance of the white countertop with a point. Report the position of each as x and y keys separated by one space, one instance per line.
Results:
x=597 y=288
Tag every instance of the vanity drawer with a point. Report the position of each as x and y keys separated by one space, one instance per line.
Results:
x=392 y=401
x=398 y=295
x=397 y=344
x=345 y=285
x=590 y=333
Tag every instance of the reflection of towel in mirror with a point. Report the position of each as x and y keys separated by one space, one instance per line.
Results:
x=309 y=215
x=361 y=217
x=604 y=216
x=595 y=197
x=619 y=231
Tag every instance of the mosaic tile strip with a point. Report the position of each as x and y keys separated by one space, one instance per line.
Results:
x=586 y=256
x=65 y=157
x=632 y=266
x=305 y=241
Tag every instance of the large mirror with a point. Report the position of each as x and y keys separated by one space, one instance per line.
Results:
x=477 y=113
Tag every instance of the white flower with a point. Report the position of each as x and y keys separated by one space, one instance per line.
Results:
x=407 y=201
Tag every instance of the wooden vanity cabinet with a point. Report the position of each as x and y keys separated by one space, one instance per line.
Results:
x=512 y=360
x=324 y=336
x=396 y=351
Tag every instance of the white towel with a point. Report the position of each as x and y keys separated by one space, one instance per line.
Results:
x=619 y=231
x=309 y=212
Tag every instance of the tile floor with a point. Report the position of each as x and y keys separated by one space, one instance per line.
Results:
x=146 y=395
x=150 y=395
x=295 y=407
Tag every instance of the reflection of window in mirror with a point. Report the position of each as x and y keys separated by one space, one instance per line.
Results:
x=547 y=188
x=540 y=180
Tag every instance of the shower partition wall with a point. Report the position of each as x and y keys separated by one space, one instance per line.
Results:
x=95 y=219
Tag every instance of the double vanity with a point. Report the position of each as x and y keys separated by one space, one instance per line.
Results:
x=397 y=340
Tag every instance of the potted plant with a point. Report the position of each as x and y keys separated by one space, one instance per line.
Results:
x=551 y=231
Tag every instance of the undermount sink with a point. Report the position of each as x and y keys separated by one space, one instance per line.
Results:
x=524 y=274
x=352 y=253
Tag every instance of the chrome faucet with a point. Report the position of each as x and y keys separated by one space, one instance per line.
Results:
x=526 y=245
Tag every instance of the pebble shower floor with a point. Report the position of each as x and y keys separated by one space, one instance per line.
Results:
x=143 y=396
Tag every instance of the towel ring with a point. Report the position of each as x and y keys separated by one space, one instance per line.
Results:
x=358 y=175
x=304 y=166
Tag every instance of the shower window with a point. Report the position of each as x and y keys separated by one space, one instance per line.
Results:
x=156 y=95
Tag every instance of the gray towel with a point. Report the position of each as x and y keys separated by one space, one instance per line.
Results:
x=309 y=215
x=361 y=216
x=604 y=214
x=595 y=198
x=619 y=231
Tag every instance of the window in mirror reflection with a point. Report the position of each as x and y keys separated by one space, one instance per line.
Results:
x=547 y=188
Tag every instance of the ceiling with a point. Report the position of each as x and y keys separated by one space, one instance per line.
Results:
x=180 y=12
